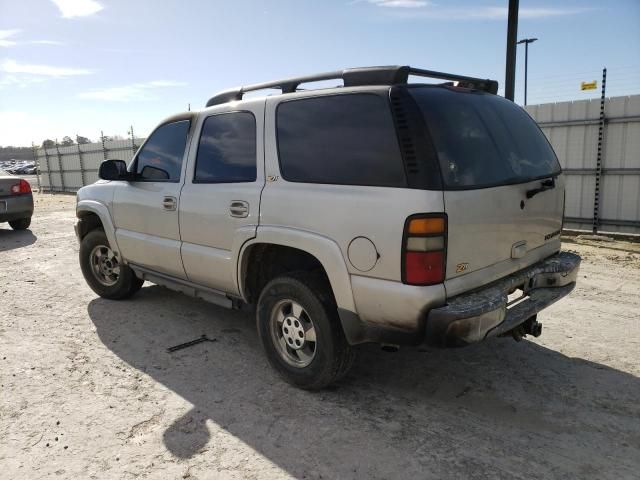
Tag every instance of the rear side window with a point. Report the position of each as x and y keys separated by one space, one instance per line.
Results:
x=227 y=149
x=484 y=140
x=339 y=139
x=160 y=158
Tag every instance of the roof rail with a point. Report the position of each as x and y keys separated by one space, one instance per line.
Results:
x=353 y=77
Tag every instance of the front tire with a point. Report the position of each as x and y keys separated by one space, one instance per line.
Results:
x=301 y=333
x=20 y=224
x=102 y=268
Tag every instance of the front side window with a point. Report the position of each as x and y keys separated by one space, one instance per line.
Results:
x=160 y=158
x=339 y=139
x=227 y=149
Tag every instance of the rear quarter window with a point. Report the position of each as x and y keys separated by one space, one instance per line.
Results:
x=344 y=139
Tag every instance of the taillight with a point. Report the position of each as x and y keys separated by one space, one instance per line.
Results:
x=424 y=249
x=21 y=187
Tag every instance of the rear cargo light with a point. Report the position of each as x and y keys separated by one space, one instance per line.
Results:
x=21 y=187
x=424 y=249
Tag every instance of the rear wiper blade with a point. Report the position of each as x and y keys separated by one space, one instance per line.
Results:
x=544 y=186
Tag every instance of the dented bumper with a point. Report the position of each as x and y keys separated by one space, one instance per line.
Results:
x=486 y=312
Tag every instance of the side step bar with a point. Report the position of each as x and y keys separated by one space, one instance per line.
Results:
x=184 y=286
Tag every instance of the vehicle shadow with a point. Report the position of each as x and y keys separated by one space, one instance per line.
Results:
x=497 y=409
x=11 y=239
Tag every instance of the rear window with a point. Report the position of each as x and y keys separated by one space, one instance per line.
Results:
x=339 y=139
x=227 y=149
x=484 y=140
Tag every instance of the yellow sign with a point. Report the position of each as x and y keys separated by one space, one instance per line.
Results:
x=589 y=85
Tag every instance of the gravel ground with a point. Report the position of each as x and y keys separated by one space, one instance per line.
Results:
x=88 y=389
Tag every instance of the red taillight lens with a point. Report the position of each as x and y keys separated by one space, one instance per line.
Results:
x=22 y=187
x=423 y=250
x=424 y=268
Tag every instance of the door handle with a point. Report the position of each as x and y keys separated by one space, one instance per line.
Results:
x=169 y=203
x=239 y=208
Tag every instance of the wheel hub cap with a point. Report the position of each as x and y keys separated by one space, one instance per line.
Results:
x=293 y=333
x=104 y=265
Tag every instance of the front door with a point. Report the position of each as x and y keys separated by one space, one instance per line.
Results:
x=145 y=210
x=220 y=200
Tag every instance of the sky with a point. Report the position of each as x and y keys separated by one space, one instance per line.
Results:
x=71 y=67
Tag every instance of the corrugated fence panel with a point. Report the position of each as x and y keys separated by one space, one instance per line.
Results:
x=572 y=130
x=91 y=177
x=79 y=163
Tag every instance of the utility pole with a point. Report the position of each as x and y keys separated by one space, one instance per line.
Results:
x=526 y=42
x=512 y=35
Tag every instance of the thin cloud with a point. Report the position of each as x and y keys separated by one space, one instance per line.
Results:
x=416 y=9
x=45 y=42
x=5 y=37
x=77 y=8
x=7 y=40
x=19 y=81
x=500 y=13
x=400 y=3
x=129 y=93
x=11 y=66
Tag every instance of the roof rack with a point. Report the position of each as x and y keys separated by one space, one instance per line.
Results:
x=352 y=77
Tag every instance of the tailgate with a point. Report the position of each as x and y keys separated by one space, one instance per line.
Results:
x=500 y=227
x=503 y=194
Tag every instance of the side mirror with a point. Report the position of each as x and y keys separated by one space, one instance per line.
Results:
x=113 y=170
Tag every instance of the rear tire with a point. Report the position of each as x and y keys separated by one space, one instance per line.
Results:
x=102 y=268
x=20 y=224
x=300 y=331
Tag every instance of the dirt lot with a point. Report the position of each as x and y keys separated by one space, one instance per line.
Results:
x=88 y=389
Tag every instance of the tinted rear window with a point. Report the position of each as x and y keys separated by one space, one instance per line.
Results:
x=227 y=149
x=339 y=139
x=484 y=140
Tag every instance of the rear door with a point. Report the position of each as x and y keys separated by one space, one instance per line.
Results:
x=220 y=201
x=503 y=195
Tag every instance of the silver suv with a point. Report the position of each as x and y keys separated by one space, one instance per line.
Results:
x=376 y=211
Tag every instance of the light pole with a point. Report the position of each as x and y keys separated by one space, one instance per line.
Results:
x=526 y=42
x=512 y=35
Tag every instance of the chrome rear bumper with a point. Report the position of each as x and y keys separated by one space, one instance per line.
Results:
x=483 y=313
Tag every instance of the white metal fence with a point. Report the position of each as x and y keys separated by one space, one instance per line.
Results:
x=572 y=128
x=67 y=169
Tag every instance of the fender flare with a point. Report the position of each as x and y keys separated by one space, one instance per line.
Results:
x=103 y=214
x=325 y=250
